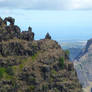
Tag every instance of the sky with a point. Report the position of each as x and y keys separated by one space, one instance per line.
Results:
x=63 y=19
x=47 y=4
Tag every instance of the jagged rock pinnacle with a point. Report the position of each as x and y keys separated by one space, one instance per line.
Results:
x=47 y=36
x=1 y=20
x=29 y=29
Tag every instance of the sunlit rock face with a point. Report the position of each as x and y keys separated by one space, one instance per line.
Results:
x=83 y=65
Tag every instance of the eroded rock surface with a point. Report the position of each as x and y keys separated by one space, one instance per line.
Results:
x=27 y=65
x=13 y=31
x=47 y=36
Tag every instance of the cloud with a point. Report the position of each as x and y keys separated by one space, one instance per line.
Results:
x=46 y=4
x=80 y=4
x=2 y=0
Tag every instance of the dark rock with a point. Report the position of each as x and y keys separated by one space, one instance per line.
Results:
x=1 y=20
x=12 y=31
x=9 y=19
x=30 y=29
x=47 y=36
x=7 y=82
x=27 y=35
x=70 y=68
x=45 y=69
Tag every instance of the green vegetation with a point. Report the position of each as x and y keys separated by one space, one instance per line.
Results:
x=34 y=56
x=6 y=73
x=56 y=90
x=21 y=66
x=32 y=87
x=53 y=72
x=67 y=52
x=2 y=72
x=45 y=88
x=31 y=79
x=10 y=71
x=61 y=62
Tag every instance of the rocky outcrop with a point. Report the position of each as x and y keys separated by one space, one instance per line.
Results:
x=11 y=31
x=47 y=36
x=9 y=19
x=27 y=35
x=1 y=21
x=27 y=65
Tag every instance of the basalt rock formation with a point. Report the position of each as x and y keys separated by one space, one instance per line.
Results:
x=13 y=31
x=9 y=19
x=28 y=65
x=47 y=36
x=28 y=35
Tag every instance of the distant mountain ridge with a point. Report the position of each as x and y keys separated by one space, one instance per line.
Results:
x=75 y=47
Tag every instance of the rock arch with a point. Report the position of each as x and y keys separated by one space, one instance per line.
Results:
x=10 y=20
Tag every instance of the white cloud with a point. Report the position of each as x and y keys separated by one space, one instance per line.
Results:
x=80 y=4
x=47 y=4
x=2 y=0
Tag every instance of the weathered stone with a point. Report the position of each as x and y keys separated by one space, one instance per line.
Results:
x=28 y=35
x=1 y=20
x=9 y=19
x=47 y=36
x=29 y=65
x=30 y=29
x=11 y=31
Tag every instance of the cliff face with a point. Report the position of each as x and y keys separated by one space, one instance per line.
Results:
x=86 y=49
x=83 y=65
x=27 y=65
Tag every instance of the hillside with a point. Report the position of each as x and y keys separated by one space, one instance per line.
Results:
x=28 y=65
x=83 y=65
x=74 y=47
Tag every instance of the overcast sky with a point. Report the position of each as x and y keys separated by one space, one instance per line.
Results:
x=47 y=4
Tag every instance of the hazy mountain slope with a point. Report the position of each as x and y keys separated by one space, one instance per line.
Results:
x=74 y=47
x=83 y=65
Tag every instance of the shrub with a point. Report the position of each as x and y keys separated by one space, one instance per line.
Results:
x=21 y=66
x=53 y=72
x=30 y=80
x=32 y=87
x=34 y=56
x=2 y=71
x=61 y=62
x=67 y=52
x=10 y=71
x=45 y=88
x=56 y=90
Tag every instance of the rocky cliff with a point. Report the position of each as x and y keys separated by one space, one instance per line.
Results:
x=83 y=66
x=28 y=65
